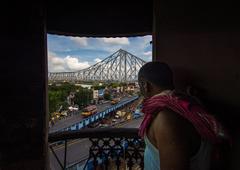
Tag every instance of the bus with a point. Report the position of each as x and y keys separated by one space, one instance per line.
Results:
x=89 y=110
x=115 y=101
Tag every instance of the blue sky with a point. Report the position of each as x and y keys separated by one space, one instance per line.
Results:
x=67 y=53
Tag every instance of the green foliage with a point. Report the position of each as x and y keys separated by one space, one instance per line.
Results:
x=97 y=87
x=83 y=97
x=130 y=92
x=139 y=93
x=65 y=87
x=122 y=84
x=58 y=93
x=55 y=98
x=114 y=85
x=107 y=96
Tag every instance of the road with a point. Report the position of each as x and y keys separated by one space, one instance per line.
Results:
x=78 y=149
x=64 y=123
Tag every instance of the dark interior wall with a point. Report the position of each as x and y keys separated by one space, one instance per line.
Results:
x=209 y=61
x=23 y=143
x=200 y=41
x=206 y=60
x=100 y=18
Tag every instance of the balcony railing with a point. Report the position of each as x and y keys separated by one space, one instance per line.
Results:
x=110 y=148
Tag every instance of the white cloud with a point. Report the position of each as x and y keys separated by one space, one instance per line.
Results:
x=55 y=64
x=143 y=42
x=74 y=64
x=146 y=40
x=97 y=60
x=58 y=64
x=148 y=53
x=115 y=41
x=55 y=60
x=82 y=41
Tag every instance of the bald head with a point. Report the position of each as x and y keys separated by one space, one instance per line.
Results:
x=157 y=73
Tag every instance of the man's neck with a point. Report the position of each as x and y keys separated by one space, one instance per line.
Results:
x=162 y=92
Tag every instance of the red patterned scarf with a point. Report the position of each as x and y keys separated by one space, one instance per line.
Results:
x=206 y=125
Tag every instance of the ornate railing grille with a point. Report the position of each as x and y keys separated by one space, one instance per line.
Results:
x=110 y=148
x=116 y=152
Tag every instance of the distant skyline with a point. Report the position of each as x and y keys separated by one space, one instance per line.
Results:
x=66 y=53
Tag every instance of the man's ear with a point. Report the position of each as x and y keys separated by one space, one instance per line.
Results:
x=147 y=87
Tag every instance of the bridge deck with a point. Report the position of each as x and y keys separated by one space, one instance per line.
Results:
x=77 y=121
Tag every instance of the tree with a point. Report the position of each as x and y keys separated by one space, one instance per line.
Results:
x=114 y=85
x=83 y=97
x=58 y=96
x=107 y=96
x=97 y=87
x=123 y=84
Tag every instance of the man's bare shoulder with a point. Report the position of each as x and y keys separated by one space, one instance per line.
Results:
x=170 y=127
x=168 y=119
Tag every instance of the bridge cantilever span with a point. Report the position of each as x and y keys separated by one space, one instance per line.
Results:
x=121 y=66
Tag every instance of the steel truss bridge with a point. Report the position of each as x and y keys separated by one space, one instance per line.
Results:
x=121 y=66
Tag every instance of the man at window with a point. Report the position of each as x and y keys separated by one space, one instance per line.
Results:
x=179 y=133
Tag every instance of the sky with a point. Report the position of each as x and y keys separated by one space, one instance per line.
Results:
x=67 y=53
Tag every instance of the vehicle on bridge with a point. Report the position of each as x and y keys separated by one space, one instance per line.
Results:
x=73 y=108
x=89 y=110
x=115 y=100
x=137 y=113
